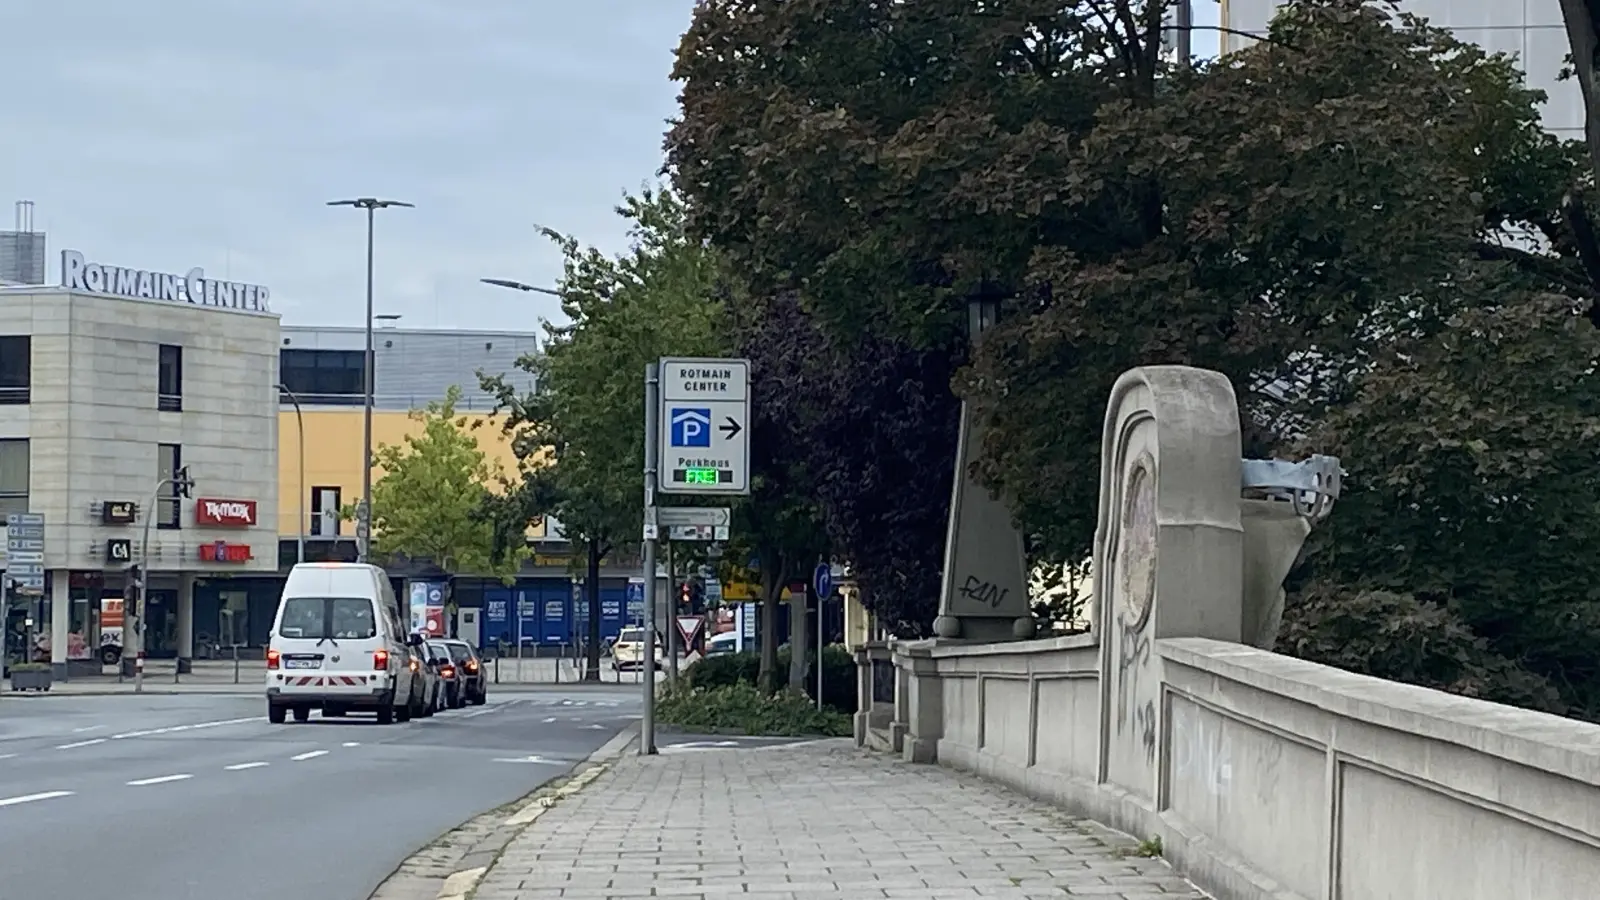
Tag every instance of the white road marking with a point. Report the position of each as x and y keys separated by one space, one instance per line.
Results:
x=310 y=754
x=87 y=728
x=89 y=743
x=162 y=779
x=351 y=744
x=7 y=755
x=173 y=729
x=480 y=712
x=549 y=720
x=239 y=767
x=29 y=798
x=536 y=760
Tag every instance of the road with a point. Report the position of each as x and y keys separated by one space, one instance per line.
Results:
x=182 y=797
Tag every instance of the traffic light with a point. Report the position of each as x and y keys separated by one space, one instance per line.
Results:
x=182 y=484
x=685 y=597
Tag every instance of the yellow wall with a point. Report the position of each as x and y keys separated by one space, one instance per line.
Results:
x=333 y=455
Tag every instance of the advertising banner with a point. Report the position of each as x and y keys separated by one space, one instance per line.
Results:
x=427 y=608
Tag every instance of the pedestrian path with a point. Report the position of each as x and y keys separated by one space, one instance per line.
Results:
x=815 y=821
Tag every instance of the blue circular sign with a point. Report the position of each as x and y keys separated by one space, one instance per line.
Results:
x=823 y=580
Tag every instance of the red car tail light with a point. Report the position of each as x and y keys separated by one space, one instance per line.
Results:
x=380 y=660
x=274 y=659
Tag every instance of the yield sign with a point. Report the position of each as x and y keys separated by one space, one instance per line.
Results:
x=689 y=627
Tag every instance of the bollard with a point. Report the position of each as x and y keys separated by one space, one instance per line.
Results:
x=235 y=663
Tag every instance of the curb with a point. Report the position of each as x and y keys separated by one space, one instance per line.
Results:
x=461 y=884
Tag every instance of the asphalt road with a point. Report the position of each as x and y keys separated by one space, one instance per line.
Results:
x=179 y=797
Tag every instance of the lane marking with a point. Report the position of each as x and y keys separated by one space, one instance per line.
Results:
x=240 y=767
x=89 y=743
x=536 y=760
x=29 y=798
x=87 y=728
x=549 y=720
x=174 y=729
x=162 y=779
x=351 y=744
x=7 y=755
x=310 y=754
x=480 y=712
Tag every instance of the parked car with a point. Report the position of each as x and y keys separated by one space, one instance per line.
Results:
x=726 y=642
x=474 y=687
x=628 y=651
x=337 y=645
x=429 y=678
x=451 y=678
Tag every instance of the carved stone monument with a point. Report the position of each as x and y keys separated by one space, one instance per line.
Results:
x=1191 y=541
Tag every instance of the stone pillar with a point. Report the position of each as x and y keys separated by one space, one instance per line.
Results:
x=985 y=592
x=60 y=622
x=1168 y=555
x=923 y=702
x=185 y=614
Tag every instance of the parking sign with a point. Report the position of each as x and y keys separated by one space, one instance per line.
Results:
x=691 y=427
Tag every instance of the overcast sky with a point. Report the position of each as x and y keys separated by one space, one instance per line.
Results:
x=180 y=133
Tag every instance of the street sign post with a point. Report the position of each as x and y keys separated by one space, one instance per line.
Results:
x=822 y=580
x=25 y=552
x=704 y=427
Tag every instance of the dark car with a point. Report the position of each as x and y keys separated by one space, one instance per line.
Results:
x=451 y=678
x=474 y=688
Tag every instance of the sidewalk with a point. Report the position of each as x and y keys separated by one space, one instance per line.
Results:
x=818 y=821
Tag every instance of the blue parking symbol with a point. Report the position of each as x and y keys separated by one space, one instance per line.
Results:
x=691 y=427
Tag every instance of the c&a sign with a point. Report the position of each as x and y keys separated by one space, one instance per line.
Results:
x=225 y=513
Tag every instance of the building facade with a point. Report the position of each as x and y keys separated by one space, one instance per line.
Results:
x=1530 y=30
x=112 y=383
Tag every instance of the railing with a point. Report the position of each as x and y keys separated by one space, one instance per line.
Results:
x=469 y=402
x=14 y=396
x=169 y=402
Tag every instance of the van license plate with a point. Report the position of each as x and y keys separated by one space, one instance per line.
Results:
x=300 y=664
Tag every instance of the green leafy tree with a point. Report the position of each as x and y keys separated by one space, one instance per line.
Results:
x=579 y=431
x=428 y=504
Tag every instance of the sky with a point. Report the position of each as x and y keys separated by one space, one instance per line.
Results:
x=181 y=133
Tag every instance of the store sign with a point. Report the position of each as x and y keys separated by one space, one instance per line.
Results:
x=119 y=550
x=229 y=513
x=118 y=512
x=222 y=551
x=78 y=274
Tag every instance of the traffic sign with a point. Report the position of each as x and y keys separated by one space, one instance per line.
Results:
x=688 y=627
x=25 y=551
x=705 y=428
x=712 y=516
x=822 y=580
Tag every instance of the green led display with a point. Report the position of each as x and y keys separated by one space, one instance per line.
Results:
x=699 y=476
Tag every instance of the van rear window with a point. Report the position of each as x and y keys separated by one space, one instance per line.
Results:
x=340 y=618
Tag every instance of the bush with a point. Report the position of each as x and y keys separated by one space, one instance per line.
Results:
x=741 y=708
x=30 y=667
x=728 y=669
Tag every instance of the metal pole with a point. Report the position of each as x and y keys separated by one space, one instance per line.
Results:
x=365 y=538
x=135 y=623
x=1185 y=36
x=300 y=425
x=673 y=638
x=821 y=603
x=652 y=402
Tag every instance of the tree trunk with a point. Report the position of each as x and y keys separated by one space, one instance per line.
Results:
x=591 y=589
x=771 y=583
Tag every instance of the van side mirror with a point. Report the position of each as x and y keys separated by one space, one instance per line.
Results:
x=414 y=640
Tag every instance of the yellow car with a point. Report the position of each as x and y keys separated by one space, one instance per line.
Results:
x=628 y=651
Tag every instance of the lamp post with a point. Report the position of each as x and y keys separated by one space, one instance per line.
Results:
x=133 y=626
x=364 y=516
x=300 y=423
x=520 y=286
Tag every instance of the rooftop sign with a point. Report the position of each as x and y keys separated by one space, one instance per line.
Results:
x=80 y=275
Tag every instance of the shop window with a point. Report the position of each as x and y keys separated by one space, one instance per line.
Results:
x=169 y=392
x=233 y=619
x=323 y=377
x=13 y=476
x=325 y=505
x=169 y=458
x=16 y=368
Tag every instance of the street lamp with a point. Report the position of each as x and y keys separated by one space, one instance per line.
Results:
x=520 y=286
x=300 y=422
x=364 y=517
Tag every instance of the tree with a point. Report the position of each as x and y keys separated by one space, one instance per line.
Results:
x=427 y=505
x=578 y=433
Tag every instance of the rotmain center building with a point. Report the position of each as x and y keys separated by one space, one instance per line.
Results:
x=110 y=382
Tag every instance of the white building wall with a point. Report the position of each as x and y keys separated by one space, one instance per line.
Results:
x=94 y=427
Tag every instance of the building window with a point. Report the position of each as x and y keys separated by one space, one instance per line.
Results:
x=169 y=458
x=325 y=506
x=169 y=392
x=13 y=477
x=323 y=377
x=16 y=368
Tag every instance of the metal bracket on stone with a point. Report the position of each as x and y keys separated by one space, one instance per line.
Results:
x=1311 y=485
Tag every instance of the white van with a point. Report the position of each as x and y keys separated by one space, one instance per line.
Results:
x=338 y=645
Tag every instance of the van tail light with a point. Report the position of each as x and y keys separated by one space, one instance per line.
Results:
x=274 y=659
x=472 y=665
x=447 y=671
x=380 y=660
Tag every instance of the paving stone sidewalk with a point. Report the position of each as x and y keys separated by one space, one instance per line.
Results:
x=819 y=821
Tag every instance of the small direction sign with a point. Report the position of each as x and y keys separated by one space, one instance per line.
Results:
x=705 y=427
x=25 y=551
x=709 y=516
x=697 y=532
x=822 y=580
x=689 y=627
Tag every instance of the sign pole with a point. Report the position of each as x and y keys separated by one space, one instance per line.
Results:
x=822 y=581
x=652 y=453
x=674 y=643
